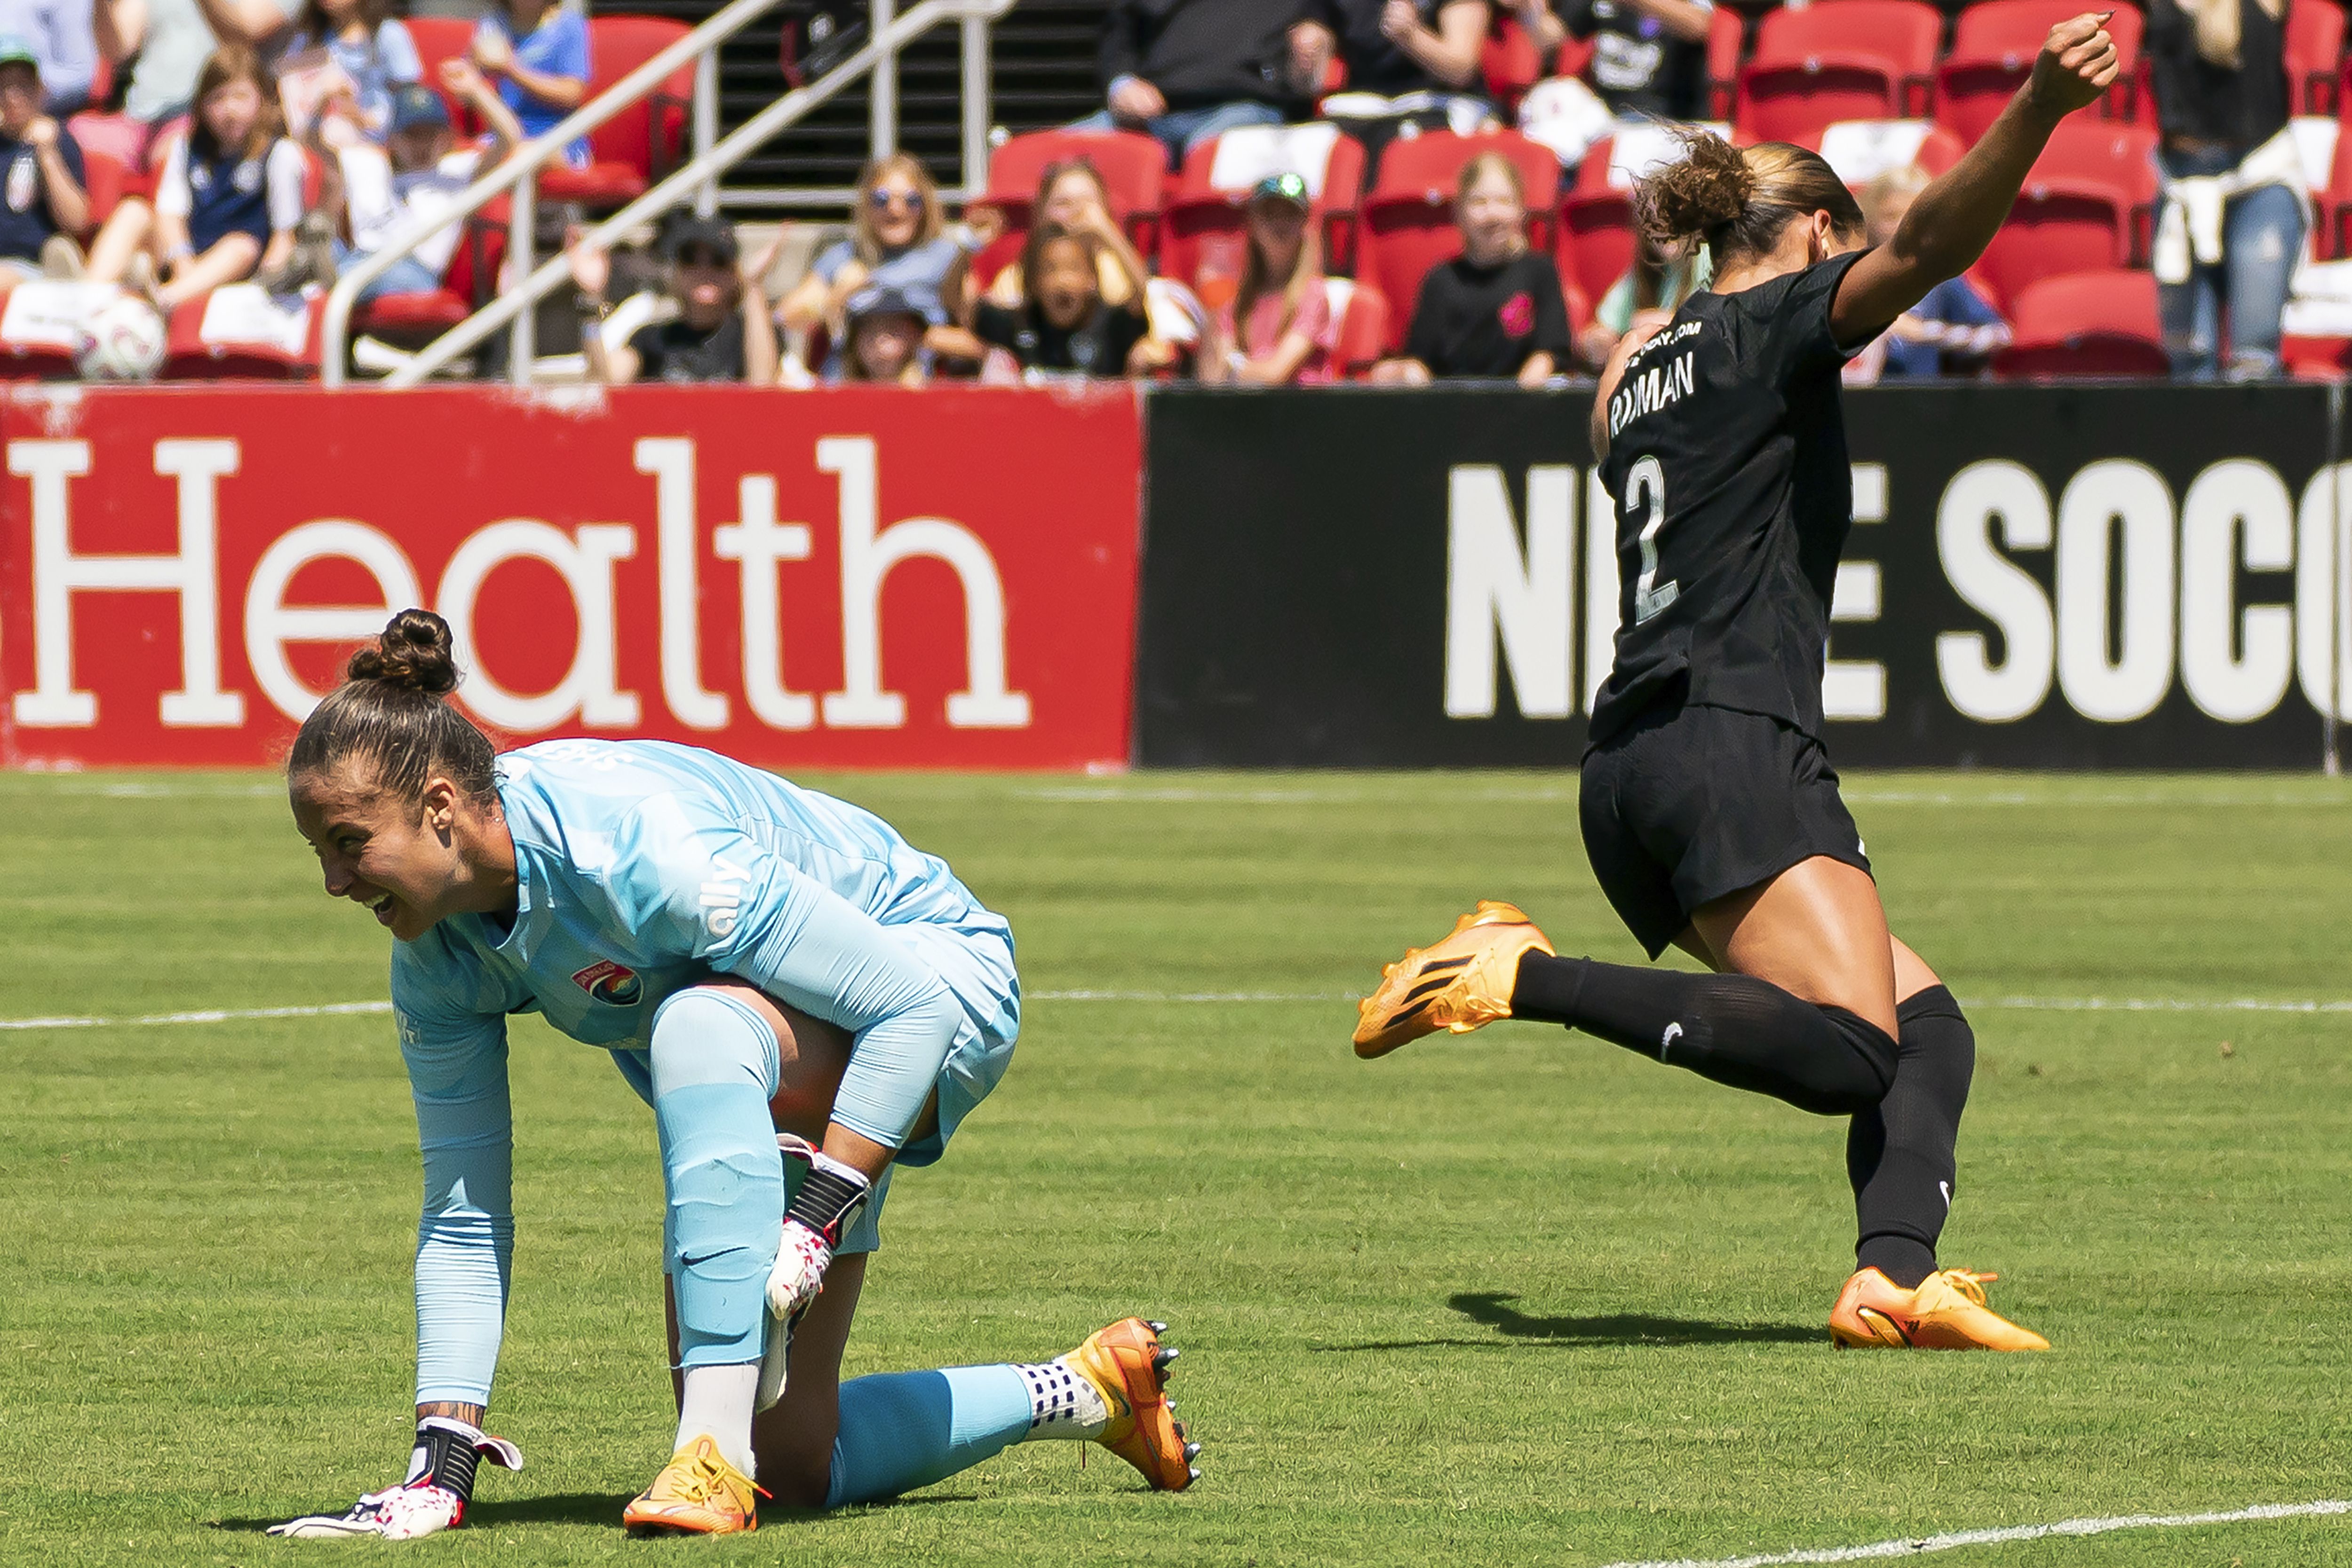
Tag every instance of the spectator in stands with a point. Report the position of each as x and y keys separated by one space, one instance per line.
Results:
x=1496 y=309
x=229 y=199
x=1063 y=324
x=1649 y=57
x=1183 y=71
x=164 y=45
x=722 y=331
x=886 y=338
x=899 y=239
x=64 y=47
x=1952 y=332
x=1413 y=65
x=1071 y=195
x=357 y=48
x=418 y=171
x=1656 y=285
x=537 y=53
x=1278 y=329
x=47 y=202
x=2232 y=222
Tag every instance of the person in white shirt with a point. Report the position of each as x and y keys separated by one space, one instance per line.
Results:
x=418 y=170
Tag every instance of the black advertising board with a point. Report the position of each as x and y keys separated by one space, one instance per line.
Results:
x=2081 y=577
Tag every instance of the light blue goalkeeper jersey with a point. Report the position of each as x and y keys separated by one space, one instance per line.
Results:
x=643 y=868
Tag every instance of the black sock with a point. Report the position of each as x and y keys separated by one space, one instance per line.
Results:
x=1733 y=1028
x=1898 y=1154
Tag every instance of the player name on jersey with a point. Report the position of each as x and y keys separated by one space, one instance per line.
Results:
x=1647 y=388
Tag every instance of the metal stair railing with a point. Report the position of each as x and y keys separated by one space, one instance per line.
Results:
x=694 y=180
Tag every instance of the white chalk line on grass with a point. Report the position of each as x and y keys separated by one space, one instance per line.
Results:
x=1541 y=794
x=1187 y=999
x=1917 y=1546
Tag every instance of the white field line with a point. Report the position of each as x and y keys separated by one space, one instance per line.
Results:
x=1186 y=998
x=1916 y=1546
x=1541 y=794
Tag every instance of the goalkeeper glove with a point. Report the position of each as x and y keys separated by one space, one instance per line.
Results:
x=440 y=1484
x=831 y=1197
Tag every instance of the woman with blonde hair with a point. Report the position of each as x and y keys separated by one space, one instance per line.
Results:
x=899 y=239
x=2234 y=212
x=1278 y=329
x=1709 y=810
x=1495 y=311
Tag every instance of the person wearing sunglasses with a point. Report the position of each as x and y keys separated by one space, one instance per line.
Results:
x=899 y=240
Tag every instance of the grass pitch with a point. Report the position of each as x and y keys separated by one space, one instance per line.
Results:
x=1516 y=1298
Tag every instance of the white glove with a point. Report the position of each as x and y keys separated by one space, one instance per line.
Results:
x=830 y=1197
x=433 y=1498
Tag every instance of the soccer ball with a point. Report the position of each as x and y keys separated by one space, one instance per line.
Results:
x=121 y=340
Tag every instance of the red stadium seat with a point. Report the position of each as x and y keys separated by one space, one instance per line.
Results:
x=1511 y=64
x=1133 y=166
x=637 y=146
x=239 y=336
x=1726 y=41
x=2314 y=54
x=2333 y=204
x=39 y=322
x=2315 y=358
x=2085 y=324
x=1993 y=47
x=1596 y=223
x=1363 y=317
x=1408 y=225
x=1200 y=212
x=106 y=182
x=2089 y=204
x=1856 y=59
x=439 y=38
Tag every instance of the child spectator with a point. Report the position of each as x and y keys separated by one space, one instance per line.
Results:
x=885 y=328
x=1659 y=280
x=1277 y=328
x=164 y=46
x=229 y=199
x=1063 y=324
x=2231 y=225
x=1494 y=310
x=58 y=34
x=43 y=202
x=418 y=172
x=1071 y=195
x=1951 y=332
x=371 y=50
x=536 y=51
x=722 y=331
x=898 y=241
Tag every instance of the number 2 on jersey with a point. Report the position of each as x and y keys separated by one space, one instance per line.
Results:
x=1645 y=484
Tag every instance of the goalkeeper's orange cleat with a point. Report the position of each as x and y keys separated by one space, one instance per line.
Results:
x=1128 y=1366
x=1457 y=984
x=1948 y=1311
x=696 y=1493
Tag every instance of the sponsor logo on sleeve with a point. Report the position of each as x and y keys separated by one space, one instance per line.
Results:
x=610 y=983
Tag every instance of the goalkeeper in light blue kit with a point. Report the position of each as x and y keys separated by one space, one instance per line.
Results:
x=804 y=998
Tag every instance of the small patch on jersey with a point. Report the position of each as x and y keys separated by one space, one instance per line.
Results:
x=610 y=983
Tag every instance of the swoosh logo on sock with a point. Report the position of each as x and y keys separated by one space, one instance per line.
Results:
x=1674 y=1032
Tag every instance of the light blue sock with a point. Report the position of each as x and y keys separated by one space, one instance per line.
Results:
x=713 y=1065
x=902 y=1430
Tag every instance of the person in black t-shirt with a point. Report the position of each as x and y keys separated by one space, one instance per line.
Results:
x=1710 y=811
x=1412 y=65
x=1063 y=325
x=1649 y=57
x=1184 y=71
x=722 y=331
x=45 y=201
x=1494 y=310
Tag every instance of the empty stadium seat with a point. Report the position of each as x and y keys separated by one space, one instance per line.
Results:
x=2314 y=52
x=1408 y=222
x=1363 y=317
x=2085 y=324
x=1993 y=47
x=237 y=332
x=40 y=323
x=637 y=146
x=1511 y=64
x=1207 y=203
x=1727 y=40
x=2089 y=204
x=1855 y=59
x=1133 y=166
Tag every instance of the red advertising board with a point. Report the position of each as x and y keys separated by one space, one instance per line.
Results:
x=857 y=577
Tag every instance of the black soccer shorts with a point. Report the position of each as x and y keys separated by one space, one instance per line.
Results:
x=1688 y=804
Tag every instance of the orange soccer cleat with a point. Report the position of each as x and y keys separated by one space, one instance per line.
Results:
x=696 y=1493
x=1948 y=1311
x=1457 y=984
x=1128 y=1366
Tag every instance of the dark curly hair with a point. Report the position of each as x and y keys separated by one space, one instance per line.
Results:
x=1736 y=200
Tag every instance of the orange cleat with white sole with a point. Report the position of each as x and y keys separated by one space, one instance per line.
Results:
x=1948 y=1311
x=1458 y=984
x=696 y=1493
x=1128 y=1366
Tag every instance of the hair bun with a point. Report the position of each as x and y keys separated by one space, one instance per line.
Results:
x=415 y=654
x=1710 y=187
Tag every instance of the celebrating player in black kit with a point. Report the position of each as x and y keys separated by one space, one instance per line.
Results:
x=1710 y=811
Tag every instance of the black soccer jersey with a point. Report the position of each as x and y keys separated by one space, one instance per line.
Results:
x=1728 y=463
